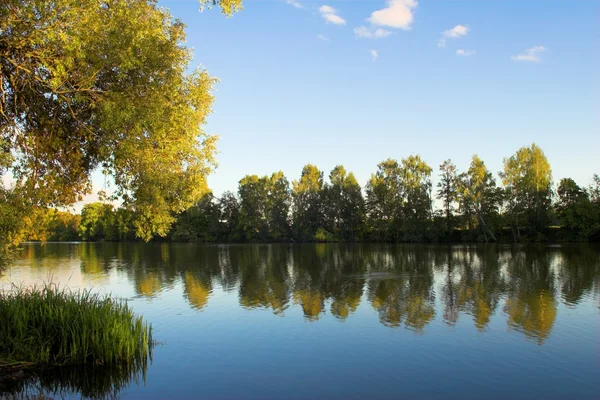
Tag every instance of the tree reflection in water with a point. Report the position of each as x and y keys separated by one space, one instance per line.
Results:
x=77 y=382
x=406 y=285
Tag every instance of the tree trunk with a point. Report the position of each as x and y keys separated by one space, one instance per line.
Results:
x=485 y=227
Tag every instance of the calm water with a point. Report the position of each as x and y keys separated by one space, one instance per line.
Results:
x=340 y=321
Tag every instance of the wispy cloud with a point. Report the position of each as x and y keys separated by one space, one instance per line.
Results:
x=374 y=54
x=398 y=14
x=465 y=53
x=365 y=32
x=322 y=37
x=294 y=3
x=530 y=55
x=330 y=15
x=454 y=33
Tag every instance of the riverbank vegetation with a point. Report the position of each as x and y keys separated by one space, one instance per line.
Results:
x=398 y=203
x=112 y=92
x=50 y=327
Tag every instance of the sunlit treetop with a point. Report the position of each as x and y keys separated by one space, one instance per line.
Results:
x=528 y=170
x=228 y=7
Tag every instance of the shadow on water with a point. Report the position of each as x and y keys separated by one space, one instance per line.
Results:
x=73 y=382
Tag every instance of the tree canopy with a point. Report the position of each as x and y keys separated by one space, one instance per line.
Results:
x=88 y=85
x=528 y=180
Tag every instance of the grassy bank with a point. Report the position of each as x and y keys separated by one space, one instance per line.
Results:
x=48 y=327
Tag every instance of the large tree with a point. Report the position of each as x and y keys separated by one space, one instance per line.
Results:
x=447 y=189
x=528 y=181
x=308 y=202
x=88 y=84
x=594 y=189
x=415 y=183
x=229 y=207
x=577 y=214
x=254 y=207
x=479 y=197
x=265 y=206
x=97 y=222
x=279 y=204
x=344 y=206
x=383 y=200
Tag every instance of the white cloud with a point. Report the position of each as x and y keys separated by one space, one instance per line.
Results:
x=374 y=54
x=322 y=37
x=397 y=14
x=365 y=32
x=330 y=15
x=465 y=53
x=454 y=33
x=294 y=3
x=530 y=55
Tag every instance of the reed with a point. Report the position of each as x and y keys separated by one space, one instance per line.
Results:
x=48 y=326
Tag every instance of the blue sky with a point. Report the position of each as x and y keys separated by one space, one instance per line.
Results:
x=300 y=83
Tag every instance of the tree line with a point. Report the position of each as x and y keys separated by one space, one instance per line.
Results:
x=396 y=205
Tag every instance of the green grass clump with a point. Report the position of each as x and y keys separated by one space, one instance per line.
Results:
x=52 y=326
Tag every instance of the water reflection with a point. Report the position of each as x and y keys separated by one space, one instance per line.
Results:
x=407 y=286
x=472 y=284
x=75 y=382
x=531 y=306
x=196 y=289
x=473 y=317
x=263 y=277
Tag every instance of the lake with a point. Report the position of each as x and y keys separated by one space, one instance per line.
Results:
x=338 y=321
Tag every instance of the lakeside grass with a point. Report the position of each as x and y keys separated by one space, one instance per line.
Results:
x=49 y=327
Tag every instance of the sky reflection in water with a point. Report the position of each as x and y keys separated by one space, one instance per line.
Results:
x=348 y=321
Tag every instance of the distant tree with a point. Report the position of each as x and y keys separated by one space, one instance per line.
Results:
x=307 y=202
x=229 y=208
x=569 y=193
x=447 y=190
x=254 y=207
x=343 y=205
x=415 y=184
x=527 y=178
x=97 y=222
x=383 y=200
x=594 y=189
x=63 y=226
x=575 y=211
x=479 y=196
x=265 y=207
x=199 y=223
x=353 y=209
x=278 y=207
